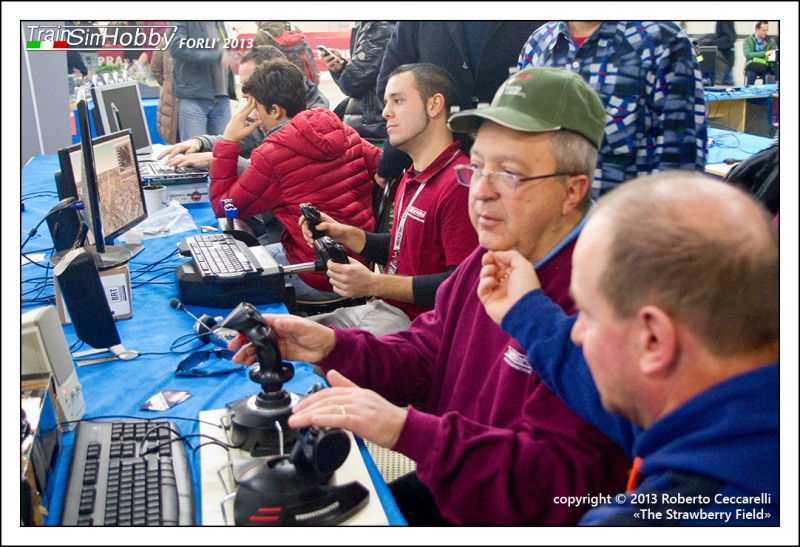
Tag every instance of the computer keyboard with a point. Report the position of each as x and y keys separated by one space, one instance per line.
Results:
x=222 y=258
x=155 y=167
x=128 y=473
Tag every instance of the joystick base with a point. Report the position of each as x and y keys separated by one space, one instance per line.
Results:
x=253 y=429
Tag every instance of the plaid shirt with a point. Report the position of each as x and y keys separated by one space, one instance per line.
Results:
x=648 y=78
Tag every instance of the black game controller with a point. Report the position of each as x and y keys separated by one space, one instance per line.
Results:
x=328 y=249
x=298 y=489
x=312 y=216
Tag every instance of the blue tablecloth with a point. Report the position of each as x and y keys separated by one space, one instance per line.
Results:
x=731 y=144
x=120 y=388
x=745 y=92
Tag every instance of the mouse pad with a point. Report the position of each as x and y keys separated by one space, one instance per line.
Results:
x=213 y=457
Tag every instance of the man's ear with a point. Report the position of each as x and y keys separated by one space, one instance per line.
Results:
x=576 y=187
x=657 y=339
x=275 y=111
x=435 y=105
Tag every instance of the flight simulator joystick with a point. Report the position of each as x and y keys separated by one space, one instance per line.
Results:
x=259 y=422
x=294 y=489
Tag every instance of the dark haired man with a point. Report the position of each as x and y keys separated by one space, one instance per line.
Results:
x=431 y=232
x=306 y=156
x=196 y=152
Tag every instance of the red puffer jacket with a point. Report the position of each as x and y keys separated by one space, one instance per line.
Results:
x=315 y=159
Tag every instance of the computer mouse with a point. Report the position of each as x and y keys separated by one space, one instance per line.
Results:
x=731 y=161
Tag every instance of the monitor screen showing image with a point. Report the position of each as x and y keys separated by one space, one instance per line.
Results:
x=119 y=187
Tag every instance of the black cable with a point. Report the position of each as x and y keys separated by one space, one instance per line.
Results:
x=177 y=343
x=720 y=125
x=43 y=283
x=185 y=438
x=30 y=261
x=226 y=447
x=40 y=194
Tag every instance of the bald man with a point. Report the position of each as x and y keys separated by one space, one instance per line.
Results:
x=674 y=351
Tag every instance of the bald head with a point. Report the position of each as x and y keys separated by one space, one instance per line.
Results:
x=700 y=249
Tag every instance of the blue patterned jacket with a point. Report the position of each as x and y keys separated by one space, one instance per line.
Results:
x=648 y=78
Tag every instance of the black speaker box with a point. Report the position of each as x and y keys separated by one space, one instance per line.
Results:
x=85 y=299
x=65 y=228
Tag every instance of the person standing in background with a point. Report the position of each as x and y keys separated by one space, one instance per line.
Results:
x=723 y=38
x=647 y=76
x=357 y=77
x=167 y=113
x=201 y=78
x=266 y=30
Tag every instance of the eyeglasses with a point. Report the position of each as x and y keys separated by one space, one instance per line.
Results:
x=501 y=183
x=192 y=364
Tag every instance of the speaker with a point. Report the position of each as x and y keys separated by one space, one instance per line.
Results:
x=85 y=298
x=44 y=349
x=65 y=229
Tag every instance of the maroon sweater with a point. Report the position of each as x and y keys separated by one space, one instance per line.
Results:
x=495 y=445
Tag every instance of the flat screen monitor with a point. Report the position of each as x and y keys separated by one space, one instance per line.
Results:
x=119 y=106
x=707 y=59
x=115 y=204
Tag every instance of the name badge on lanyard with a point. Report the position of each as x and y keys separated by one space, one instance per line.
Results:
x=391 y=268
x=398 y=236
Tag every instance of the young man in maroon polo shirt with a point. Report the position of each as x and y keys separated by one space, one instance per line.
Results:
x=431 y=233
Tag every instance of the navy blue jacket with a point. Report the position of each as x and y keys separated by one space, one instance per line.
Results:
x=711 y=461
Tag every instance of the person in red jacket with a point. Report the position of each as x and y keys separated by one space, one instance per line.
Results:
x=307 y=156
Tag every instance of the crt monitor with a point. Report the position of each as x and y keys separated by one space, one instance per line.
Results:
x=119 y=106
x=707 y=59
x=119 y=186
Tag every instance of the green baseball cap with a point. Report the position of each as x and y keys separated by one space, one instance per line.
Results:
x=540 y=99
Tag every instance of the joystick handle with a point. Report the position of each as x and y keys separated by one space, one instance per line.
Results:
x=328 y=249
x=272 y=372
x=312 y=216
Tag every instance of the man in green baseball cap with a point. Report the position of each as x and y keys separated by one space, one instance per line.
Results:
x=532 y=164
x=541 y=99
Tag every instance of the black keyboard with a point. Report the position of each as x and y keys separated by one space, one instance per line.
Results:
x=116 y=479
x=221 y=258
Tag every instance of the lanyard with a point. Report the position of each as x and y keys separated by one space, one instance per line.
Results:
x=398 y=236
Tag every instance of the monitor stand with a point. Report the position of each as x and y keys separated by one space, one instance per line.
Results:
x=113 y=256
